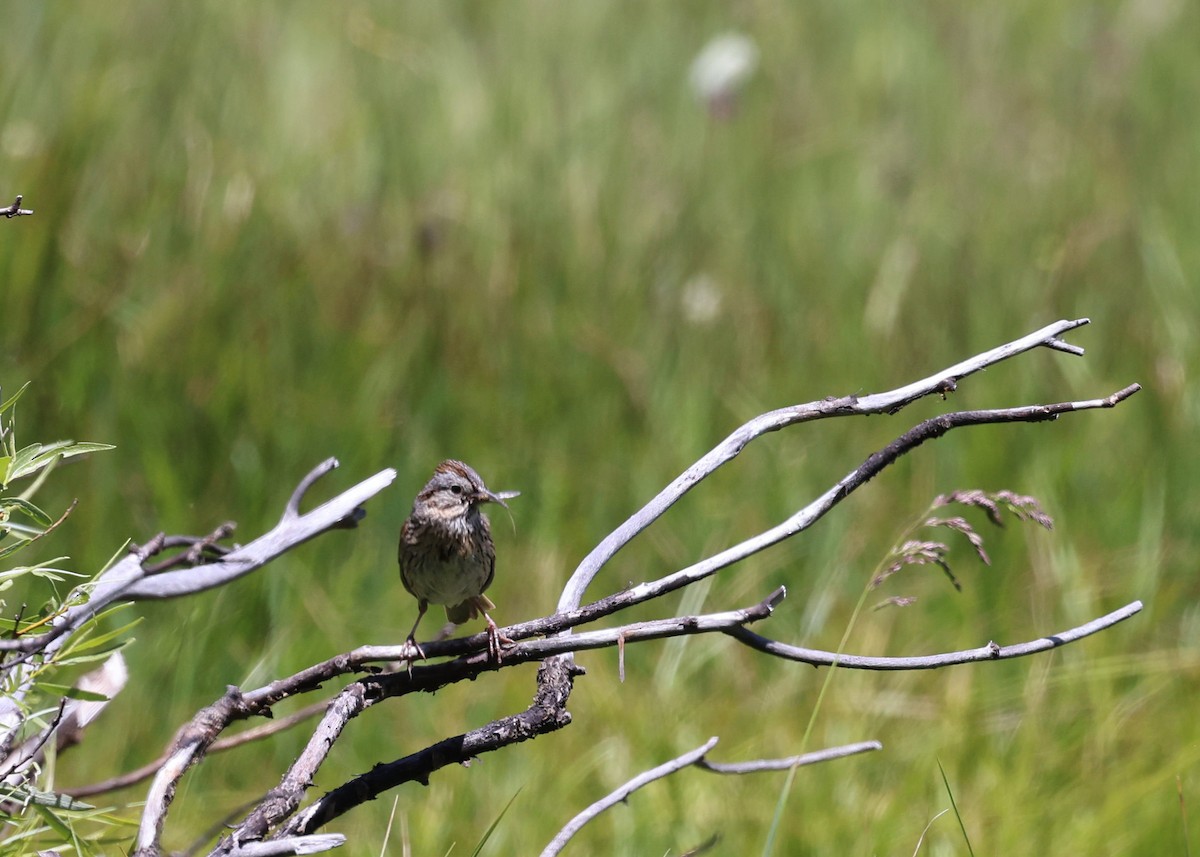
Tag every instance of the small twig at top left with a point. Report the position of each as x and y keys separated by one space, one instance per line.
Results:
x=15 y=209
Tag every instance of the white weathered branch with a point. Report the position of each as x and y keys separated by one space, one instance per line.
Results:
x=871 y=466
x=127 y=580
x=292 y=845
x=941 y=382
x=292 y=530
x=990 y=652
x=786 y=764
x=698 y=758
x=666 y=769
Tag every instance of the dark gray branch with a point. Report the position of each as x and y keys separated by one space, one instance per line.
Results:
x=546 y=714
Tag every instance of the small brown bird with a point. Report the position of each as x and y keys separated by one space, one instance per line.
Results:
x=446 y=550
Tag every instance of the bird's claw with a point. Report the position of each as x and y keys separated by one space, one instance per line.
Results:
x=496 y=641
x=412 y=652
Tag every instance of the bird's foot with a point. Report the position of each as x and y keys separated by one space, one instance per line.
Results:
x=412 y=652
x=496 y=640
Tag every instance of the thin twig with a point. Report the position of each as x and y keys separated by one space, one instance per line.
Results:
x=197 y=548
x=698 y=758
x=786 y=764
x=292 y=509
x=12 y=767
x=15 y=209
x=54 y=526
x=990 y=652
x=621 y=794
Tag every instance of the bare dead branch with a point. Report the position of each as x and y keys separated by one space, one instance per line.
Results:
x=890 y=402
x=990 y=652
x=286 y=798
x=539 y=718
x=127 y=580
x=292 y=530
x=929 y=429
x=814 y=511
x=292 y=510
x=548 y=713
x=192 y=739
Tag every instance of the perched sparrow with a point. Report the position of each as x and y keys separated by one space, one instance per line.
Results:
x=446 y=550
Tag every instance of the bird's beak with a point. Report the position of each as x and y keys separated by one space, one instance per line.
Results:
x=486 y=496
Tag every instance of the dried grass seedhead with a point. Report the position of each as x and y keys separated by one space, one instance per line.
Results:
x=1023 y=507
x=912 y=551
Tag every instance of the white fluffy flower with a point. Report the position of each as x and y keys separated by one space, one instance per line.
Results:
x=722 y=67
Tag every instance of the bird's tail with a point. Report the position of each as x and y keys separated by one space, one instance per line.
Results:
x=472 y=608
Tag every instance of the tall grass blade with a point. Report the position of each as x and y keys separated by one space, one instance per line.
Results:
x=487 y=834
x=954 y=806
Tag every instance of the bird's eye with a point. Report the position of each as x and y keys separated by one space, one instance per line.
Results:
x=455 y=489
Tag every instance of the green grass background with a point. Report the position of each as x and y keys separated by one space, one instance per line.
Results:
x=270 y=233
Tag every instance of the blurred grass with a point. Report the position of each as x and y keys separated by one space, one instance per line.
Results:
x=270 y=233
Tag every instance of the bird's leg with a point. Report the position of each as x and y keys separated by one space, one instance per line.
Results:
x=494 y=639
x=412 y=650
